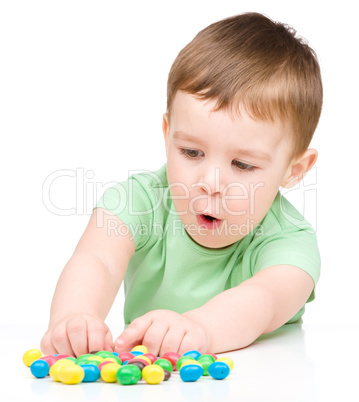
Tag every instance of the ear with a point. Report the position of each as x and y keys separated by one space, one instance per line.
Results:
x=299 y=167
x=165 y=130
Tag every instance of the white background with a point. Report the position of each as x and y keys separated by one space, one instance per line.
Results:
x=82 y=93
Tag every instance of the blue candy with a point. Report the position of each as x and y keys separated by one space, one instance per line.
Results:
x=193 y=353
x=40 y=368
x=219 y=370
x=137 y=353
x=92 y=372
x=191 y=372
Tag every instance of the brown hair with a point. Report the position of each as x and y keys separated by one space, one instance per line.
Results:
x=253 y=61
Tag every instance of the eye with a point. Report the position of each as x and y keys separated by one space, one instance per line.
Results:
x=190 y=153
x=243 y=166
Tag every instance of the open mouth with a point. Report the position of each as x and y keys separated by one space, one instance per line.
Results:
x=210 y=218
x=208 y=221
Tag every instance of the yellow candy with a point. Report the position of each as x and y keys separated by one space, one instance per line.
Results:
x=55 y=368
x=140 y=348
x=71 y=374
x=110 y=359
x=192 y=362
x=108 y=372
x=153 y=374
x=30 y=356
x=98 y=358
x=226 y=360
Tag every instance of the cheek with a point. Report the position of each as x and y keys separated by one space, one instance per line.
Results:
x=249 y=198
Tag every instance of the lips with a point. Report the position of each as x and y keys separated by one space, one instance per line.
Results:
x=208 y=221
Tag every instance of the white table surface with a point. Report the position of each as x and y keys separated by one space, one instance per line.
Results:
x=294 y=363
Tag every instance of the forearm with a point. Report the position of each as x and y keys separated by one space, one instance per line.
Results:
x=85 y=286
x=235 y=317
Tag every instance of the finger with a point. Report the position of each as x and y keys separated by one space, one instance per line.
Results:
x=96 y=332
x=46 y=346
x=172 y=340
x=188 y=343
x=61 y=341
x=133 y=334
x=109 y=345
x=154 y=336
x=77 y=334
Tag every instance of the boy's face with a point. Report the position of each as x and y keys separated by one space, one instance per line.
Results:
x=227 y=167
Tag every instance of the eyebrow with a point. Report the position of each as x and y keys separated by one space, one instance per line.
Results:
x=247 y=152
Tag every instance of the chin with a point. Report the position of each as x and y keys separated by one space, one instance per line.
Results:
x=212 y=242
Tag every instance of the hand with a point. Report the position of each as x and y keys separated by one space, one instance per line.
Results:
x=76 y=335
x=164 y=331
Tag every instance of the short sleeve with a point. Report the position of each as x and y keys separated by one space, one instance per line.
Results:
x=298 y=248
x=132 y=204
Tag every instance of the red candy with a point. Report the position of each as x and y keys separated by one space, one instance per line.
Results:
x=104 y=364
x=125 y=356
x=152 y=357
x=49 y=359
x=172 y=357
x=58 y=357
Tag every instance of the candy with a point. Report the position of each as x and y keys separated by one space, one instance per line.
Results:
x=219 y=370
x=139 y=348
x=127 y=367
x=172 y=357
x=193 y=353
x=128 y=375
x=153 y=374
x=165 y=364
x=30 y=356
x=92 y=373
x=167 y=375
x=104 y=364
x=191 y=372
x=137 y=353
x=40 y=368
x=152 y=357
x=108 y=372
x=137 y=359
x=96 y=358
x=50 y=359
x=205 y=361
x=187 y=362
x=59 y=357
x=71 y=374
x=125 y=356
x=104 y=354
x=55 y=368
x=226 y=360
x=181 y=360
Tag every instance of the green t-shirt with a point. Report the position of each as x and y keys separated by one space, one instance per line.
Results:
x=171 y=271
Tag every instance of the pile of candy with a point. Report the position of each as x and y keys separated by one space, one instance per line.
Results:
x=127 y=367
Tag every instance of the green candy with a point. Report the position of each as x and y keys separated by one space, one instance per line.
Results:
x=84 y=356
x=206 y=361
x=183 y=359
x=104 y=354
x=165 y=364
x=87 y=361
x=128 y=374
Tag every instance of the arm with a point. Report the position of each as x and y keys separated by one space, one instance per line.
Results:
x=231 y=320
x=237 y=317
x=87 y=288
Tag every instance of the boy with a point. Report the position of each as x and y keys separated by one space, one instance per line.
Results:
x=212 y=256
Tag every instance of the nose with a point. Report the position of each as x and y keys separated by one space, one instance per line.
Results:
x=211 y=180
